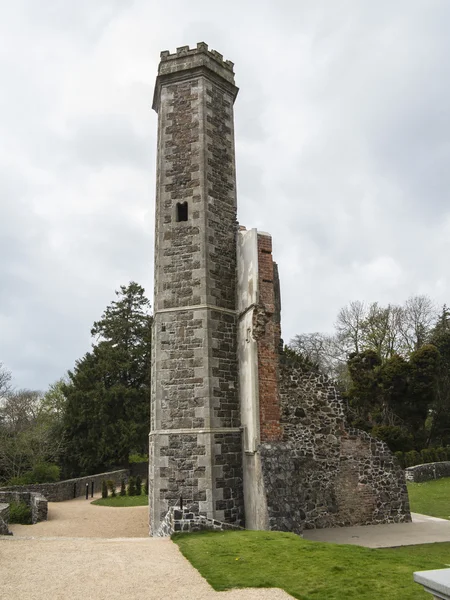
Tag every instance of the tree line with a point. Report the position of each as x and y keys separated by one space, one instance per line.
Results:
x=392 y=366
x=96 y=416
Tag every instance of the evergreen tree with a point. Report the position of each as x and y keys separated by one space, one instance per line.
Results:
x=108 y=394
x=439 y=431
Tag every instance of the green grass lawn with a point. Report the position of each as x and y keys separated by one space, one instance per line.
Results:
x=310 y=570
x=431 y=498
x=141 y=500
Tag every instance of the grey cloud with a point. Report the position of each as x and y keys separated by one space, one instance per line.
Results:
x=341 y=137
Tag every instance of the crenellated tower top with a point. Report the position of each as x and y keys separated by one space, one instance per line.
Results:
x=186 y=63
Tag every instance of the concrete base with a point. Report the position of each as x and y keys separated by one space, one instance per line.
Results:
x=435 y=582
x=422 y=530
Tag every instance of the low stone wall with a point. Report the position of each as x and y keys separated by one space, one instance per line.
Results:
x=37 y=503
x=178 y=520
x=427 y=472
x=70 y=488
x=4 y=519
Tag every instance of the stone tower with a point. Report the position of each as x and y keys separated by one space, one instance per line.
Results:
x=195 y=436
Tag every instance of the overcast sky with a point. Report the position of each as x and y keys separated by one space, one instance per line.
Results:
x=343 y=154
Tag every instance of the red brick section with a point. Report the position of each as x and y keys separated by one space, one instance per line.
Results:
x=268 y=340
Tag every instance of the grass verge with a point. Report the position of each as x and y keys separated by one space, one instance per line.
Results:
x=431 y=498
x=123 y=501
x=310 y=570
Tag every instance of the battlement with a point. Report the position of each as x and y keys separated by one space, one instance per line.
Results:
x=202 y=48
x=183 y=63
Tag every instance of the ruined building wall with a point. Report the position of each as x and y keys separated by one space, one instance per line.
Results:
x=304 y=467
x=195 y=437
x=325 y=474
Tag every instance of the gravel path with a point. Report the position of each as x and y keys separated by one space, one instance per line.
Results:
x=81 y=552
x=80 y=518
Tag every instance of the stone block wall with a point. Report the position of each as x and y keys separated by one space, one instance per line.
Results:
x=195 y=438
x=70 y=488
x=183 y=520
x=4 y=519
x=34 y=500
x=427 y=472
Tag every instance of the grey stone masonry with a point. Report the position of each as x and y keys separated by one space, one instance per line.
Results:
x=4 y=519
x=325 y=474
x=37 y=503
x=183 y=520
x=428 y=471
x=195 y=438
x=59 y=491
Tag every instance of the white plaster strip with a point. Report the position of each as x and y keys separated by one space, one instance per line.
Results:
x=196 y=307
x=197 y=431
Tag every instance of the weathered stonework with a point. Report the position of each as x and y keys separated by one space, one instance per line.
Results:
x=428 y=471
x=70 y=488
x=232 y=427
x=195 y=436
x=37 y=503
x=4 y=519
x=326 y=474
x=182 y=520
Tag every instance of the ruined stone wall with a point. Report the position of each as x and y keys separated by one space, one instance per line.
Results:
x=326 y=474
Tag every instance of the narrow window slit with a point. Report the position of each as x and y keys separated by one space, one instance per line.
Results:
x=182 y=211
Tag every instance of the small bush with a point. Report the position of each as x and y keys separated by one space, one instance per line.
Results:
x=441 y=454
x=398 y=439
x=123 y=489
x=132 y=486
x=401 y=458
x=412 y=458
x=41 y=473
x=104 y=489
x=146 y=487
x=19 y=512
x=137 y=458
x=427 y=455
x=138 y=486
x=111 y=487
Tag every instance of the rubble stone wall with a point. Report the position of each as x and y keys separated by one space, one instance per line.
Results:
x=69 y=488
x=325 y=474
x=4 y=519
x=37 y=503
x=427 y=472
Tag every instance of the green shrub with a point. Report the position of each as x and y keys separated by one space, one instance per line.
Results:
x=138 y=486
x=427 y=455
x=104 y=489
x=441 y=454
x=132 y=486
x=146 y=487
x=137 y=458
x=111 y=487
x=19 y=512
x=412 y=458
x=401 y=458
x=41 y=473
x=398 y=439
x=123 y=489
